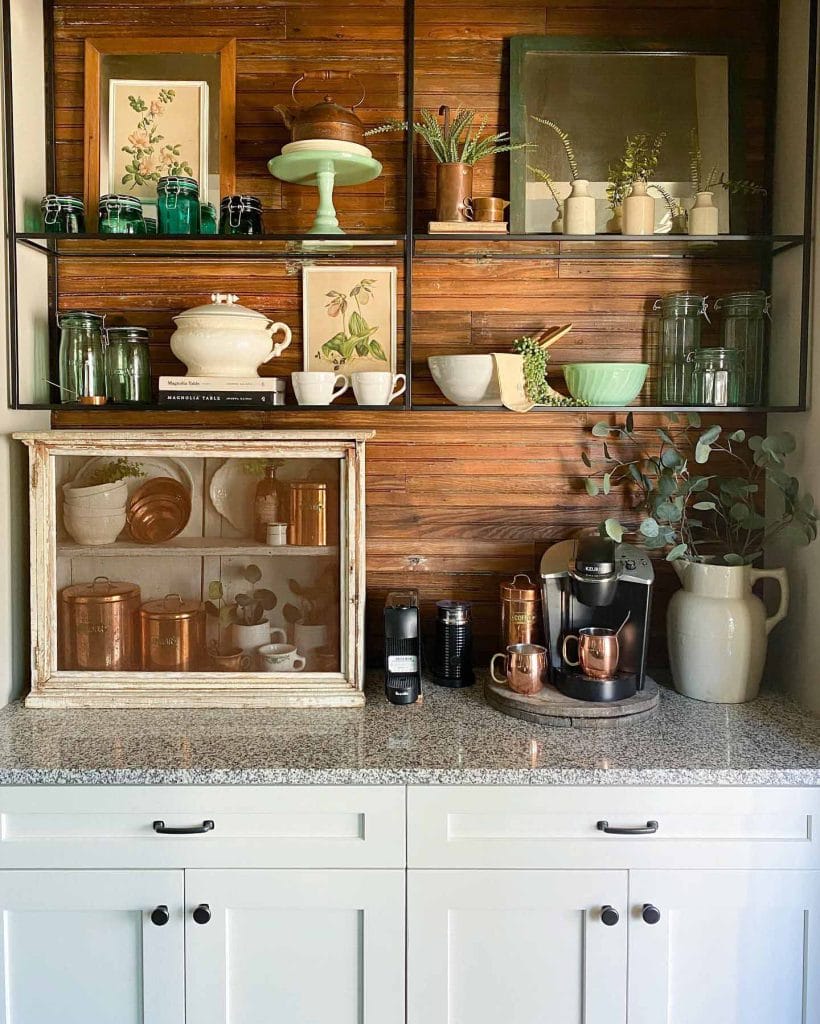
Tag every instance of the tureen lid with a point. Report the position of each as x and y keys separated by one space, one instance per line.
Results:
x=223 y=303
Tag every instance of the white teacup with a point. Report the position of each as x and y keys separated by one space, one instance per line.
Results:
x=316 y=387
x=376 y=387
x=280 y=658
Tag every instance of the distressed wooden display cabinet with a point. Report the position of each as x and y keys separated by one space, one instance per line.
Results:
x=314 y=581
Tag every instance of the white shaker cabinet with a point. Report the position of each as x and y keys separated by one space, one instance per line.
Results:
x=727 y=947
x=81 y=947
x=523 y=947
x=302 y=947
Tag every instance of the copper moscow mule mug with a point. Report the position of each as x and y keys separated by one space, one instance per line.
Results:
x=524 y=667
x=598 y=652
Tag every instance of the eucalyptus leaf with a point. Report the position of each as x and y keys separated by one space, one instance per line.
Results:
x=592 y=487
x=694 y=419
x=671 y=458
x=704 y=506
x=710 y=435
x=614 y=530
x=739 y=512
x=600 y=429
x=678 y=551
x=665 y=437
x=607 y=483
x=702 y=453
x=649 y=527
x=754 y=442
x=737 y=435
x=630 y=423
x=733 y=559
x=587 y=461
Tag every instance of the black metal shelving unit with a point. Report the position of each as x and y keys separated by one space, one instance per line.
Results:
x=405 y=247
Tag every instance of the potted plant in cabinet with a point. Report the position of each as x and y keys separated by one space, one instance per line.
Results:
x=309 y=619
x=699 y=496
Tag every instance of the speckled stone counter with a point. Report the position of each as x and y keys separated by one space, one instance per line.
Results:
x=453 y=738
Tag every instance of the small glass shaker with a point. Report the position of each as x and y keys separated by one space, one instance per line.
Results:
x=128 y=365
x=82 y=358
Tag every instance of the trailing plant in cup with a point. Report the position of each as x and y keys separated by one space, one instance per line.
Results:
x=677 y=504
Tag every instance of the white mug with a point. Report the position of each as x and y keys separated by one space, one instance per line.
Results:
x=376 y=387
x=316 y=387
x=280 y=658
x=276 y=534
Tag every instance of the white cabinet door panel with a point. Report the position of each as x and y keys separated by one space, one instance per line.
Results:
x=731 y=947
x=523 y=947
x=79 y=947
x=301 y=947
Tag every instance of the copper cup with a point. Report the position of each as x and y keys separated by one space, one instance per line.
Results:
x=488 y=208
x=524 y=667
x=598 y=652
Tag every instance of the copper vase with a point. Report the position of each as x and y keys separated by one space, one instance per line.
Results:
x=454 y=186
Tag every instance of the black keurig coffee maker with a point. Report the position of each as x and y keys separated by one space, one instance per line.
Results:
x=592 y=589
x=453 y=654
x=402 y=647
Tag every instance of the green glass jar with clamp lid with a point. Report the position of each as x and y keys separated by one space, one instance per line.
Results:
x=240 y=215
x=82 y=358
x=63 y=215
x=178 y=210
x=121 y=215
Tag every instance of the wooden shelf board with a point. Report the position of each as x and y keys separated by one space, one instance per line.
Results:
x=181 y=546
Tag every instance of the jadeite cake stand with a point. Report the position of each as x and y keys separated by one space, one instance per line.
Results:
x=323 y=169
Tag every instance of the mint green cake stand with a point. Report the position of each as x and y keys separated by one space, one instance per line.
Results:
x=324 y=169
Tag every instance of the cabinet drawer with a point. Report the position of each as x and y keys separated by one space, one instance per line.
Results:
x=253 y=826
x=530 y=826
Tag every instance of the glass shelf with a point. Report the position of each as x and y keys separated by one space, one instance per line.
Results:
x=270 y=246
x=603 y=246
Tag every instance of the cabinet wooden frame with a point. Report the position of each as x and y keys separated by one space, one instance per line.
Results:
x=97 y=49
x=52 y=687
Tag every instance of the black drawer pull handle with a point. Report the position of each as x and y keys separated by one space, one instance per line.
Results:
x=609 y=915
x=649 y=829
x=162 y=829
x=160 y=915
x=650 y=914
x=202 y=913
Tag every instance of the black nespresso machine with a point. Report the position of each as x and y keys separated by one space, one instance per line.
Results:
x=592 y=581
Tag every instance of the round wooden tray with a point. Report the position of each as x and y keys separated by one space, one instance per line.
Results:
x=549 y=707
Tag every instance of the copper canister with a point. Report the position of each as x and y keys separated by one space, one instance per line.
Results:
x=98 y=626
x=172 y=634
x=520 y=612
x=308 y=515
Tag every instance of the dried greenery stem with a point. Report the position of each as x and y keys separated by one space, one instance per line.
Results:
x=693 y=513
x=638 y=162
x=454 y=141
x=712 y=180
x=566 y=142
x=547 y=179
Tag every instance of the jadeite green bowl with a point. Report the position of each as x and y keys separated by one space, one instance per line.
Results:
x=605 y=383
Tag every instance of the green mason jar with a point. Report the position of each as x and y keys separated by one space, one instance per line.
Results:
x=178 y=206
x=716 y=377
x=240 y=215
x=121 y=215
x=207 y=219
x=744 y=329
x=128 y=365
x=63 y=215
x=82 y=358
x=150 y=225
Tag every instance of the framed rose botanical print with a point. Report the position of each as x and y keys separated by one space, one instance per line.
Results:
x=155 y=107
x=349 y=318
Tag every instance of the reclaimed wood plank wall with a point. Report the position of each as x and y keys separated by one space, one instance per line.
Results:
x=456 y=501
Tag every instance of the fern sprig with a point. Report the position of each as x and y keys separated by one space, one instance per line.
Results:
x=547 y=179
x=566 y=142
x=455 y=141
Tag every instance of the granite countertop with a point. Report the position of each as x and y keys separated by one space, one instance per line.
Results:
x=452 y=738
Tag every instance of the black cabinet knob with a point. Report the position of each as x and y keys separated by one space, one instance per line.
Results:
x=202 y=913
x=160 y=915
x=609 y=915
x=650 y=914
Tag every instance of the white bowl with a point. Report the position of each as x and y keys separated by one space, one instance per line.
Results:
x=99 y=497
x=466 y=380
x=94 y=528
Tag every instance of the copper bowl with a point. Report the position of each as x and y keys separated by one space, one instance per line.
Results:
x=158 y=510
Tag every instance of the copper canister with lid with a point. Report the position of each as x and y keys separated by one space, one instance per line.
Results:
x=98 y=626
x=308 y=514
x=521 y=621
x=172 y=634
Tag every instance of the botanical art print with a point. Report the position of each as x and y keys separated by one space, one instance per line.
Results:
x=155 y=129
x=350 y=318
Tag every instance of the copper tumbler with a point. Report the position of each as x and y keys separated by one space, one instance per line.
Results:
x=308 y=515
x=524 y=667
x=598 y=652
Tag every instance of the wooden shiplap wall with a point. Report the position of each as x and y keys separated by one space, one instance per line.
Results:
x=456 y=501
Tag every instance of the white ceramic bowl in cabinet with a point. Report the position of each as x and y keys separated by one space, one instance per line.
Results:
x=97 y=498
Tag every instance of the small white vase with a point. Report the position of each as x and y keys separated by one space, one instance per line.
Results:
x=615 y=224
x=579 y=210
x=557 y=227
x=639 y=211
x=717 y=630
x=703 y=217
x=250 y=638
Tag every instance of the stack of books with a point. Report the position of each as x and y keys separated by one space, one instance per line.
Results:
x=221 y=392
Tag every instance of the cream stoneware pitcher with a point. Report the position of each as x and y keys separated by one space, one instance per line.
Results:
x=717 y=630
